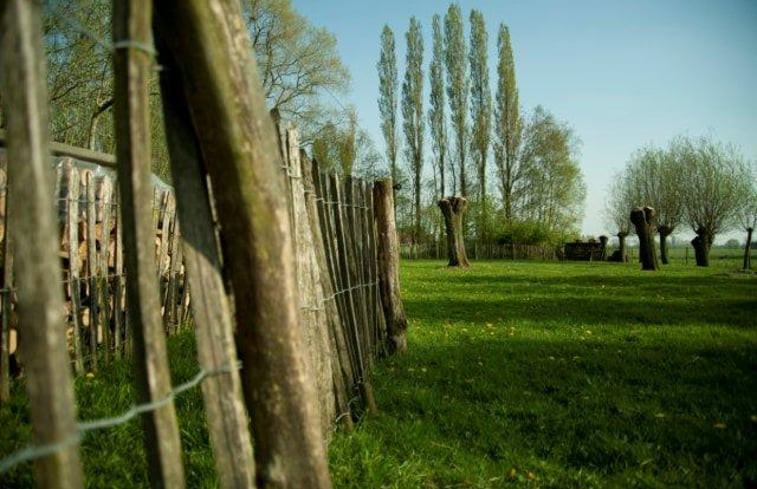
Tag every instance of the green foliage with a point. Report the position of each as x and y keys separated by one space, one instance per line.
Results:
x=481 y=110
x=298 y=62
x=412 y=115
x=564 y=375
x=527 y=232
x=507 y=126
x=458 y=82
x=436 y=115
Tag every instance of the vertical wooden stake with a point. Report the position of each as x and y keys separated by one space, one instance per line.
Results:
x=74 y=263
x=238 y=143
x=40 y=299
x=94 y=316
x=222 y=393
x=132 y=34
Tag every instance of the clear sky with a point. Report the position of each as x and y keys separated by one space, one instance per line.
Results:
x=621 y=73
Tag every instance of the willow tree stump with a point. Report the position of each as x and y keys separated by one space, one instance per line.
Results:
x=702 y=244
x=453 y=209
x=644 y=221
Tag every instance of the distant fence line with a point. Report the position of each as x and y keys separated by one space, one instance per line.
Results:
x=437 y=250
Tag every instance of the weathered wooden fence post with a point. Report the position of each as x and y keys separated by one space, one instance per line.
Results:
x=5 y=293
x=222 y=393
x=238 y=141
x=132 y=34
x=40 y=301
x=388 y=260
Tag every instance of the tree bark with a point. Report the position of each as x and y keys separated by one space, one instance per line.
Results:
x=453 y=209
x=748 y=249
x=702 y=244
x=644 y=221
x=664 y=232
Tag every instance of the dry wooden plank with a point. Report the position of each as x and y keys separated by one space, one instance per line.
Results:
x=213 y=318
x=132 y=29
x=327 y=207
x=344 y=243
x=344 y=377
x=174 y=265
x=92 y=268
x=313 y=318
x=105 y=193
x=5 y=298
x=379 y=324
x=238 y=144
x=40 y=299
x=120 y=332
x=74 y=263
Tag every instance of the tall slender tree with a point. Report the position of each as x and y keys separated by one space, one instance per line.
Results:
x=412 y=116
x=387 y=101
x=455 y=55
x=436 y=116
x=481 y=111
x=507 y=126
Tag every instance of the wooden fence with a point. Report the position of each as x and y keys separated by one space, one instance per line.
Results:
x=292 y=271
x=332 y=220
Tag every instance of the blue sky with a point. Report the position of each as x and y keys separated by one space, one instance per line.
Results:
x=621 y=73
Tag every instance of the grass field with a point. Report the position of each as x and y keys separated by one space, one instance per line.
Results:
x=565 y=375
x=517 y=374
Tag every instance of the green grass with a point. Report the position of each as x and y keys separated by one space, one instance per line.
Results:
x=517 y=374
x=564 y=375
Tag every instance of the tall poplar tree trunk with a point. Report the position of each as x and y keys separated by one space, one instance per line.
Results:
x=453 y=209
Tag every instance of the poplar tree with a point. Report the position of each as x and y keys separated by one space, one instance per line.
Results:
x=481 y=110
x=455 y=55
x=436 y=116
x=412 y=115
x=387 y=101
x=507 y=126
